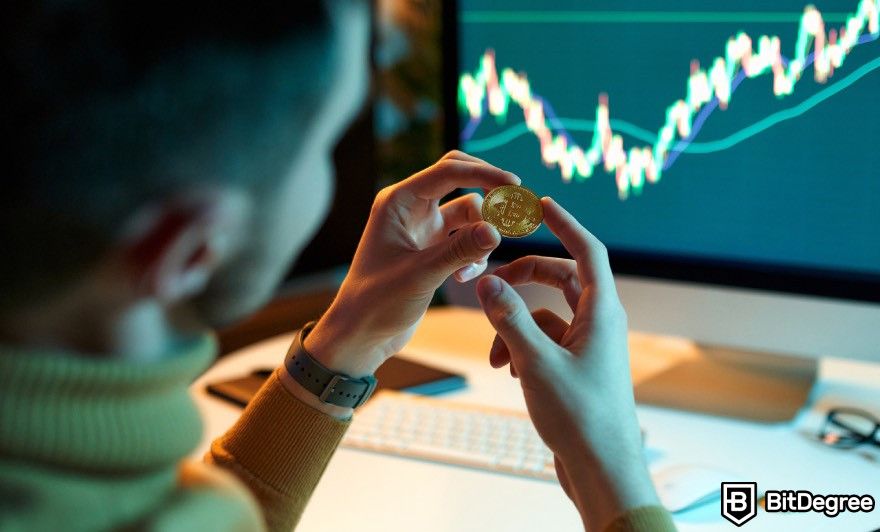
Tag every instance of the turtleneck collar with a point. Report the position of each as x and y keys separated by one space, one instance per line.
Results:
x=100 y=414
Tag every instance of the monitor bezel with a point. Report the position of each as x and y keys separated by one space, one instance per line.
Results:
x=834 y=284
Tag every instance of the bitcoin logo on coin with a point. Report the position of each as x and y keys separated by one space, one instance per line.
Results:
x=514 y=210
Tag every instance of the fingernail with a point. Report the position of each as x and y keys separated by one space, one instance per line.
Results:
x=486 y=236
x=467 y=273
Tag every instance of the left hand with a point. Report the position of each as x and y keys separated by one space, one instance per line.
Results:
x=410 y=246
x=575 y=377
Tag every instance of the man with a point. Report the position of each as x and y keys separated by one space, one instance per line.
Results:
x=169 y=161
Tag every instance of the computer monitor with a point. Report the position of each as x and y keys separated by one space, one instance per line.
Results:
x=728 y=156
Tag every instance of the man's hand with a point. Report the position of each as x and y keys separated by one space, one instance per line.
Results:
x=575 y=377
x=410 y=246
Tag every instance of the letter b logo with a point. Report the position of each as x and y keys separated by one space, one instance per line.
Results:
x=739 y=501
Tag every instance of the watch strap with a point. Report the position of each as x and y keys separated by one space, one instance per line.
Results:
x=330 y=387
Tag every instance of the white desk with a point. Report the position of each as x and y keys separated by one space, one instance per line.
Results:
x=397 y=494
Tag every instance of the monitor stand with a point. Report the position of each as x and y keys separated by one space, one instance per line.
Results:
x=679 y=373
x=748 y=385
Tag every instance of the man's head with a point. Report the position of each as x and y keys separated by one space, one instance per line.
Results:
x=176 y=152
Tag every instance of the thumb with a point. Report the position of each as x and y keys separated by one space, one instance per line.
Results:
x=470 y=244
x=513 y=322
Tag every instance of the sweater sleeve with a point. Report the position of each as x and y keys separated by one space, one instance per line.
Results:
x=643 y=519
x=279 y=448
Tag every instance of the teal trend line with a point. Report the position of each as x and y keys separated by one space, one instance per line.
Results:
x=570 y=124
x=577 y=124
x=785 y=114
x=636 y=17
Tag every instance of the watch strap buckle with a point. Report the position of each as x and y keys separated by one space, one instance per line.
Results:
x=340 y=389
x=331 y=386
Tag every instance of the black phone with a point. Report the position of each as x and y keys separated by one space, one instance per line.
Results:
x=395 y=374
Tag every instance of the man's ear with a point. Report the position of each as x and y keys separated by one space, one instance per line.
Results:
x=172 y=249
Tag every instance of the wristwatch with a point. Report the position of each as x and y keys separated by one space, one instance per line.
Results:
x=330 y=387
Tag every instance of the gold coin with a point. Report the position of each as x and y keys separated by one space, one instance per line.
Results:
x=514 y=210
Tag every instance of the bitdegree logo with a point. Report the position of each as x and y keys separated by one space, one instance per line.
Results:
x=739 y=502
x=806 y=501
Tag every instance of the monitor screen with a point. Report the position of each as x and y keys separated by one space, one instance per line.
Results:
x=744 y=134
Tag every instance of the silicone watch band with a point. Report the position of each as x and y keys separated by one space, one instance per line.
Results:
x=330 y=387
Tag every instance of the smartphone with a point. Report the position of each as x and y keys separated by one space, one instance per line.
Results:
x=395 y=374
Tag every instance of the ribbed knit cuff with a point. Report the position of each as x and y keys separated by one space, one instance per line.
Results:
x=281 y=440
x=643 y=519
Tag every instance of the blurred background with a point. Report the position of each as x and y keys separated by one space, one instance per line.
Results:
x=400 y=132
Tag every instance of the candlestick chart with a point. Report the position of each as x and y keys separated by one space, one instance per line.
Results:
x=816 y=56
x=743 y=131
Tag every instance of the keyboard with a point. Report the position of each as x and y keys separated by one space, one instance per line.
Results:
x=442 y=431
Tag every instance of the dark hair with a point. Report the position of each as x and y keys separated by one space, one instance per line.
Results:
x=113 y=104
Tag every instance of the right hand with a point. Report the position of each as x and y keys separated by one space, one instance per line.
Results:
x=575 y=377
x=412 y=243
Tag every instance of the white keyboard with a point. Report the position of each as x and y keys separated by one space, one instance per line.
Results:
x=442 y=431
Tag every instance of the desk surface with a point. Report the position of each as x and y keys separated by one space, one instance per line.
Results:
x=398 y=494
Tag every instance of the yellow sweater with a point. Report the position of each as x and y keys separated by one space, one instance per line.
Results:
x=97 y=444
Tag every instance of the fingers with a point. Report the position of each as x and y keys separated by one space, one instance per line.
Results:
x=467 y=247
x=456 y=213
x=552 y=325
x=462 y=156
x=460 y=211
x=599 y=300
x=507 y=312
x=587 y=250
x=471 y=271
x=550 y=271
x=447 y=175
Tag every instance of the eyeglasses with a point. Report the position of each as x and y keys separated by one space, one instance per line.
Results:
x=847 y=428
